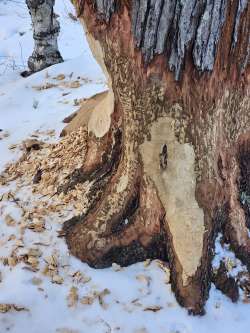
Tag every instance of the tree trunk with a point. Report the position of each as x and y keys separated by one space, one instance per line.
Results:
x=168 y=147
x=45 y=32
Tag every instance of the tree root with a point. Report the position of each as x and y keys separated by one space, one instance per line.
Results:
x=132 y=232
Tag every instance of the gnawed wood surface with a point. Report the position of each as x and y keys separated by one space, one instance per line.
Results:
x=170 y=171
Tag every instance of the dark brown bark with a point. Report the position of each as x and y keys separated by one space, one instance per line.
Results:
x=171 y=169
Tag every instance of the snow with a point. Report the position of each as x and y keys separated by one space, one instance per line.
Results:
x=24 y=110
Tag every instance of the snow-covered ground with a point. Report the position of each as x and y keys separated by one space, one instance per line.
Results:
x=76 y=298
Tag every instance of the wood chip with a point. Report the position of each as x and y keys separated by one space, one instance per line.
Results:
x=144 y=279
x=79 y=277
x=153 y=308
x=72 y=297
x=9 y=221
x=5 y=307
x=57 y=279
x=32 y=144
x=12 y=261
x=101 y=295
x=116 y=267
x=88 y=300
x=35 y=252
x=44 y=86
x=59 y=77
x=75 y=84
x=36 y=281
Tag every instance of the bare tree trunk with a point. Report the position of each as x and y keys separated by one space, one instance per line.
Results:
x=45 y=32
x=168 y=149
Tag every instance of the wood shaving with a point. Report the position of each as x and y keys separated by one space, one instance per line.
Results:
x=9 y=221
x=57 y=279
x=59 y=77
x=74 y=84
x=153 y=308
x=5 y=307
x=36 y=281
x=116 y=267
x=144 y=279
x=45 y=86
x=72 y=297
x=79 y=277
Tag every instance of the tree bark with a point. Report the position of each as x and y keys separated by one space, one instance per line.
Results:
x=168 y=146
x=45 y=32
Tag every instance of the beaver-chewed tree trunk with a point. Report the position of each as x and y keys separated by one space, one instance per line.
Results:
x=168 y=151
x=45 y=32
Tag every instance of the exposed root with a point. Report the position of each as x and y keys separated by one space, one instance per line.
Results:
x=226 y=284
x=131 y=234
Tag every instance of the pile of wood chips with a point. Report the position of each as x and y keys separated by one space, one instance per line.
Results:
x=48 y=166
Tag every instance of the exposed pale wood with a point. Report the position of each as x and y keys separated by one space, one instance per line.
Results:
x=171 y=168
